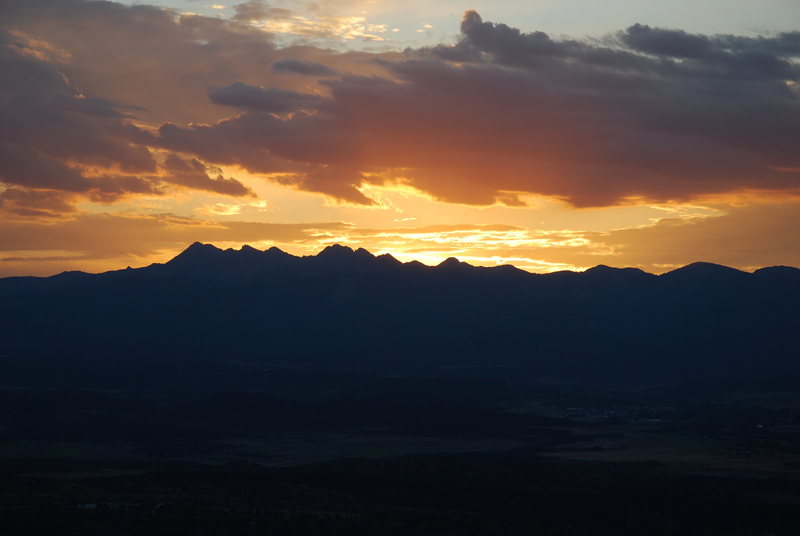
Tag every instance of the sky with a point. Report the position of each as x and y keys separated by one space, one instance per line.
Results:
x=548 y=135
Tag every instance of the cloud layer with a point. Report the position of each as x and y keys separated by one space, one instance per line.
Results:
x=102 y=102
x=646 y=113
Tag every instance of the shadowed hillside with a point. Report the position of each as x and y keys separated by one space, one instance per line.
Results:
x=346 y=310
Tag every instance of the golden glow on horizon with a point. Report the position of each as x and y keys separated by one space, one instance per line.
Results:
x=544 y=236
x=112 y=241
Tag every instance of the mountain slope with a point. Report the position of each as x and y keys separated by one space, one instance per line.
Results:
x=349 y=310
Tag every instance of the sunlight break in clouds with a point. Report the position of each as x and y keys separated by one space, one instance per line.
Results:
x=345 y=28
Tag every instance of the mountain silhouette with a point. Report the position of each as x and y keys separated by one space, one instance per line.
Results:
x=699 y=272
x=349 y=310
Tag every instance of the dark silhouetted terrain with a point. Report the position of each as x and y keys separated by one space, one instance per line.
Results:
x=249 y=392
x=346 y=310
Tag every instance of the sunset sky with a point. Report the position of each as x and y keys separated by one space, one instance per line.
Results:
x=546 y=134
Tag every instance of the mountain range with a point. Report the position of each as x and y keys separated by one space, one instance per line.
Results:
x=348 y=310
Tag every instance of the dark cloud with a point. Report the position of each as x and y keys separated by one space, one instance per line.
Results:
x=53 y=116
x=23 y=166
x=78 y=81
x=646 y=113
x=340 y=182
x=309 y=68
x=56 y=140
x=657 y=114
x=506 y=44
x=271 y=100
x=675 y=43
x=257 y=10
x=157 y=59
x=143 y=55
x=222 y=145
x=19 y=203
x=193 y=174
x=53 y=139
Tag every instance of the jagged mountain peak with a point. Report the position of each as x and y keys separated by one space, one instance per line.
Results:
x=275 y=251
x=452 y=262
x=335 y=250
x=387 y=259
x=361 y=252
x=340 y=256
x=196 y=252
x=200 y=246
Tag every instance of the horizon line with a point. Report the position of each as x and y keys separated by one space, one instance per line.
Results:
x=452 y=260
